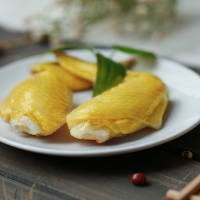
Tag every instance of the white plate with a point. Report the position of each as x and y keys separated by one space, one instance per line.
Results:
x=183 y=112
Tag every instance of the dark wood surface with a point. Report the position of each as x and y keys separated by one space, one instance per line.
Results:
x=26 y=175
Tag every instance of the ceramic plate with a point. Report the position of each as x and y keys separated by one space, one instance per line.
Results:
x=182 y=114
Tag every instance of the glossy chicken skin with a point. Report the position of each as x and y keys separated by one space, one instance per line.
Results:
x=140 y=101
x=83 y=69
x=39 y=104
x=74 y=82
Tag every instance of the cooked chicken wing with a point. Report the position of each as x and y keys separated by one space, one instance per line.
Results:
x=74 y=82
x=140 y=101
x=39 y=104
x=83 y=69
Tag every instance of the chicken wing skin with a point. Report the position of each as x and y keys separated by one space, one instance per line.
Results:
x=74 y=82
x=39 y=104
x=140 y=101
x=83 y=69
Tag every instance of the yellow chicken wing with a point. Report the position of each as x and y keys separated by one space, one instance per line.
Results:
x=83 y=69
x=140 y=101
x=39 y=104
x=74 y=82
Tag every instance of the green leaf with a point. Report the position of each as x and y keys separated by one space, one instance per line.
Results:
x=144 y=59
x=109 y=74
x=134 y=51
x=69 y=46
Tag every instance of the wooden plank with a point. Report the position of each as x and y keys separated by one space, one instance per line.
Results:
x=14 y=190
x=99 y=178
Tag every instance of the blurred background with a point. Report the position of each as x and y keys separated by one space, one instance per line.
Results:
x=171 y=28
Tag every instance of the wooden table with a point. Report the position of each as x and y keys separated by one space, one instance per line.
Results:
x=26 y=175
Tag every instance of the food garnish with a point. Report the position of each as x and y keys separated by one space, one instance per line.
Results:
x=143 y=58
x=138 y=179
x=134 y=51
x=109 y=74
